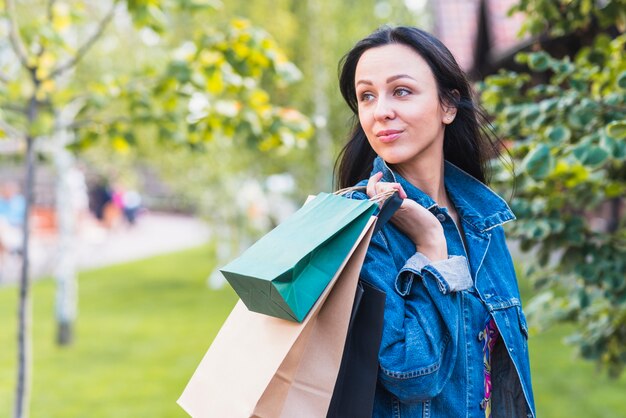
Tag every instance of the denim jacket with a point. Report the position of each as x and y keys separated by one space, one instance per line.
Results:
x=432 y=350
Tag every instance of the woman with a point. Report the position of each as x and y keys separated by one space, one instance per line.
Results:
x=454 y=328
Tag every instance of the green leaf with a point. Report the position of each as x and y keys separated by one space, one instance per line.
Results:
x=539 y=162
x=614 y=189
x=597 y=57
x=538 y=230
x=559 y=133
x=591 y=155
x=532 y=114
x=619 y=152
x=617 y=129
x=538 y=61
x=548 y=105
x=621 y=80
x=180 y=71
x=521 y=58
x=608 y=143
x=581 y=116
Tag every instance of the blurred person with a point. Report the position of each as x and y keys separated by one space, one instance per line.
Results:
x=455 y=338
x=131 y=205
x=100 y=196
x=106 y=203
x=12 y=210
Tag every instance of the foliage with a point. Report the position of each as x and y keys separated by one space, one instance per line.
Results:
x=315 y=35
x=566 y=16
x=211 y=86
x=569 y=147
x=210 y=89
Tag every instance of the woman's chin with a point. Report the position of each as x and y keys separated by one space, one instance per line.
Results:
x=392 y=159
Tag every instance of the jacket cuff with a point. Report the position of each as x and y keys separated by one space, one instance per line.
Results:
x=452 y=275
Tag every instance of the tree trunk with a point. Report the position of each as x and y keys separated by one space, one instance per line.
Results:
x=67 y=190
x=65 y=269
x=70 y=191
x=24 y=337
x=24 y=332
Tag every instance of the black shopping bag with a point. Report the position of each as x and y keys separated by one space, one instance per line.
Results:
x=353 y=395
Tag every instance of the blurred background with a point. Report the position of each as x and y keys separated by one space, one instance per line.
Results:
x=151 y=141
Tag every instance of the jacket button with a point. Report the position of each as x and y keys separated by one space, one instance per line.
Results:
x=441 y=217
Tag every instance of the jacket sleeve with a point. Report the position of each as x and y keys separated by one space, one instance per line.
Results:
x=422 y=315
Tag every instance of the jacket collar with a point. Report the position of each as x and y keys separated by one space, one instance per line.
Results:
x=476 y=203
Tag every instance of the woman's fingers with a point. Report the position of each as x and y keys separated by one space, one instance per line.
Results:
x=423 y=228
x=400 y=190
x=376 y=187
x=417 y=222
x=371 y=184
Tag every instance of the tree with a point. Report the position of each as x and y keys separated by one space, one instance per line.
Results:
x=315 y=35
x=567 y=122
x=212 y=89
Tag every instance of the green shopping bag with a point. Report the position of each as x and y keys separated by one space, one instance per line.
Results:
x=284 y=273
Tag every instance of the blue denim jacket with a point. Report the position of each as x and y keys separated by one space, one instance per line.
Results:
x=431 y=355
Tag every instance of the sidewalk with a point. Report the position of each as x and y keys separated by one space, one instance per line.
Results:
x=153 y=234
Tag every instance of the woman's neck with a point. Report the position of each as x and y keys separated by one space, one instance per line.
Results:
x=428 y=176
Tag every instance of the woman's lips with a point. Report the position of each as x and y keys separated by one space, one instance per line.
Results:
x=389 y=135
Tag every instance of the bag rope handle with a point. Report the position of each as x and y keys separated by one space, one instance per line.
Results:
x=381 y=197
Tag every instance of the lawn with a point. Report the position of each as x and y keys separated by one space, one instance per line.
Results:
x=143 y=328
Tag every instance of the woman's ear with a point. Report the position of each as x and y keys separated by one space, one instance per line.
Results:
x=449 y=109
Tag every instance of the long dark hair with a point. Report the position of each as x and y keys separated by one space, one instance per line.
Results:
x=469 y=141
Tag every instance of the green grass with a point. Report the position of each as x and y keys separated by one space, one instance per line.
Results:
x=143 y=328
x=566 y=386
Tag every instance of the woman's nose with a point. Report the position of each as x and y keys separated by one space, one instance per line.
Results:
x=384 y=109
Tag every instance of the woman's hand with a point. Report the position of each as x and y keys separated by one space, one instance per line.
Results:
x=421 y=226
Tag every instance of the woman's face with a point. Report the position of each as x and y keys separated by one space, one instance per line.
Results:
x=399 y=106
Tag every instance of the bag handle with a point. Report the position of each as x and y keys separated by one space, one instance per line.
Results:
x=381 y=197
x=391 y=203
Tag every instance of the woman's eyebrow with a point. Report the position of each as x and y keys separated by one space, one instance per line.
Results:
x=389 y=80
x=399 y=76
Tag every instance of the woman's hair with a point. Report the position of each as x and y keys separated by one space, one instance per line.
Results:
x=469 y=141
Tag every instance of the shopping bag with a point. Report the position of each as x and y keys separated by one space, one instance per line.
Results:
x=266 y=367
x=355 y=387
x=284 y=273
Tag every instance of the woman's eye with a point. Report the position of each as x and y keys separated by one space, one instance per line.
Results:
x=365 y=97
x=402 y=92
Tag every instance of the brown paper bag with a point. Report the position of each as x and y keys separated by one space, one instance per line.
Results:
x=266 y=367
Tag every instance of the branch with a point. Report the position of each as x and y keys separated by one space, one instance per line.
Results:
x=14 y=35
x=11 y=131
x=87 y=45
x=67 y=113
x=49 y=9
